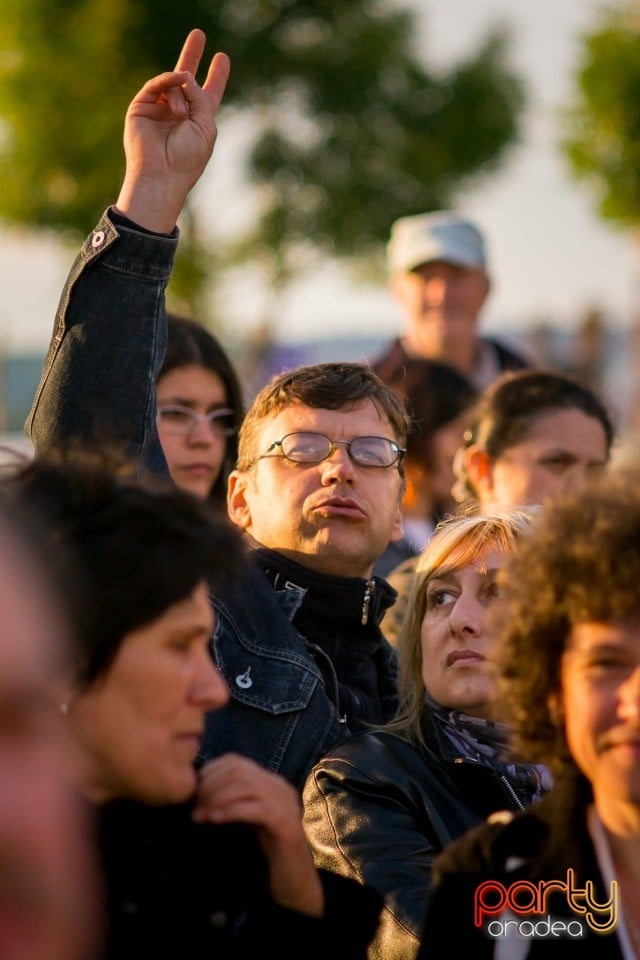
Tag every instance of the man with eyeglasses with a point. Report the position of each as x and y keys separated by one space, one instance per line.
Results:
x=318 y=482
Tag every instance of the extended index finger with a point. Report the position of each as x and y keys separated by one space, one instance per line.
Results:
x=192 y=51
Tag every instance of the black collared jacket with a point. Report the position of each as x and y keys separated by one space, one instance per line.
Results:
x=379 y=810
x=179 y=889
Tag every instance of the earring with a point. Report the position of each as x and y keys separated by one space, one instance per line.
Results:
x=64 y=708
x=556 y=713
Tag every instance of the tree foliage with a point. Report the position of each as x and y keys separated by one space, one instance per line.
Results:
x=601 y=127
x=349 y=128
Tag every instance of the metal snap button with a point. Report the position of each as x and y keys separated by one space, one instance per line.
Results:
x=243 y=680
x=97 y=239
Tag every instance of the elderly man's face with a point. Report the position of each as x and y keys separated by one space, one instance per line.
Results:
x=441 y=303
x=334 y=516
x=46 y=869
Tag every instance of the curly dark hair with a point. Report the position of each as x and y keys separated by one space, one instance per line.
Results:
x=580 y=562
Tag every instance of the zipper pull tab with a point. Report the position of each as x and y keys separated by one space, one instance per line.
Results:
x=370 y=589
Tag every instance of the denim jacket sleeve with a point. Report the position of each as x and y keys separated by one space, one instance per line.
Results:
x=108 y=344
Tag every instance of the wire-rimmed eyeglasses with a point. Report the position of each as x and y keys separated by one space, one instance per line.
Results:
x=306 y=447
x=174 y=418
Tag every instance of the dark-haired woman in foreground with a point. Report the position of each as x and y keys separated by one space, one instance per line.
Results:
x=196 y=863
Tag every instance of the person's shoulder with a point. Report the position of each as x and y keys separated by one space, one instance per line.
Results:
x=395 y=553
x=507 y=356
x=369 y=754
x=504 y=838
x=391 y=358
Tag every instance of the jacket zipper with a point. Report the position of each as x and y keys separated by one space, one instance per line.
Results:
x=369 y=591
x=514 y=796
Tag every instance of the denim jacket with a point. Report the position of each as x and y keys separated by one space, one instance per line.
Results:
x=97 y=386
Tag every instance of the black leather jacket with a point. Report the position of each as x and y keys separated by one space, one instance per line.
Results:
x=379 y=809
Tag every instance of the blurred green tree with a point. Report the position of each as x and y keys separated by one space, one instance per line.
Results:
x=348 y=129
x=600 y=129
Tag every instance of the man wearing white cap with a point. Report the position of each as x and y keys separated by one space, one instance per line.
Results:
x=438 y=274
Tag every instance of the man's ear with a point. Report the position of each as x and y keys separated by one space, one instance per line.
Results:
x=477 y=464
x=397 y=532
x=237 y=501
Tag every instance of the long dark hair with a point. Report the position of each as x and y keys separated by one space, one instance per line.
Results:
x=189 y=343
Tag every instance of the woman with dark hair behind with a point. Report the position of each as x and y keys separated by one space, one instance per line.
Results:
x=200 y=409
x=438 y=399
x=533 y=433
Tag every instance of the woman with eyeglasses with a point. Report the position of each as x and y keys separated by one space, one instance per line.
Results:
x=199 y=410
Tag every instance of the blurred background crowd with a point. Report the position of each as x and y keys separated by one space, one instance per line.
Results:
x=522 y=118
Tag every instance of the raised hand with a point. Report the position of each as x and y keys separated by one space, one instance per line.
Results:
x=235 y=788
x=169 y=135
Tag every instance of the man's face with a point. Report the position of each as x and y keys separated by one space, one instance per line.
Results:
x=441 y=303
x=335 y=516
x=46 y=872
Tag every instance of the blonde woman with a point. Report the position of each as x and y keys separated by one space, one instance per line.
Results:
x=384 y=803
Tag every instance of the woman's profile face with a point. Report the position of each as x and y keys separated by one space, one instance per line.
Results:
x=454 y=640
x=142 y=721
x=194 y=450
x=561 y=448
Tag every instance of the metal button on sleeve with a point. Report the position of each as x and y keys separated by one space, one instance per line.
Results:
x=243 y=680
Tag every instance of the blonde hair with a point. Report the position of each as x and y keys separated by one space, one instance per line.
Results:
x=457 y=542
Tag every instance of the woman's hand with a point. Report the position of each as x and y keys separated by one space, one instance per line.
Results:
x=234 y=788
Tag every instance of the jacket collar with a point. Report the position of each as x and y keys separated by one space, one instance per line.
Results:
x=341 y=600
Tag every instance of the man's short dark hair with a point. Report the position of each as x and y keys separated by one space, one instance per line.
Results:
x=329 y=386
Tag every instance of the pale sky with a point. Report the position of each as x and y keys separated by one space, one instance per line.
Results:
x=551 y=257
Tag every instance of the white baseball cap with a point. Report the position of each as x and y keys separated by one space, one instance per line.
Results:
x=441 y=236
